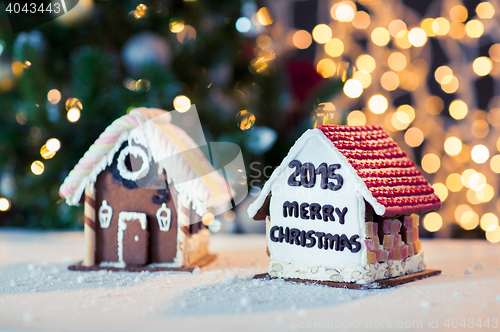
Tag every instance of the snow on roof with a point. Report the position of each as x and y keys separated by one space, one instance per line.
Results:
x=175 y=152
x=394 y=185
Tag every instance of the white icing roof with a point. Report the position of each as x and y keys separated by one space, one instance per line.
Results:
x=294 y=151
x=175 y=152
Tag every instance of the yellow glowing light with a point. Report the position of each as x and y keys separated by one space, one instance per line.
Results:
x=353 y=88
x=480 y=153
x=361 y=20
x=431 y=163
x=73 y=103
x=474 y=28
x=458 y=13
x=457 y=30
x=363 y=77
x=302 y=39
x=433 y=222
x=53 y=144
x=454 y=182
x=140 y=11
x=488 y=193
x=344 y=13
x=480 y=128
x=452 y=86
x=326 y=68
x=389 y=81
x=441 y=26
x=417 y=37
x=207 y=219
x=467 y=175
x=345 y=70
x=17 y=67
x=453 y=145
x=477 y=181
x=440 y=190
x=458 y=109
x=495 y=163
x=46 y=153
x=460 y=210
x=434 y=105
x=322 y=33
x=396 y=26
x=414 y=137
x=176 y=25
x=4 y=204
x=400 y=120
x=474 y=196
x=37 y=167
x=485 y=10
x=264 y=17
x=409 y=81
x=356 y=118
x=443 y=74
x=494 y=52
x=380 y=36
x=366 y=62
x=469 y=220
x=493 y=234
x=426 y=25
x=482 y=66
x=245 y=120
x=182 y=104
x=334 y=47
x=54 y=96
x=397 y=61
x=408 y=110
x=488 y=220
x=263 y=42
x=402 y=40
x=378 y=104
x=73 y=114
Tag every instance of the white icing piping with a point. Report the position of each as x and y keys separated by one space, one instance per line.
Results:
x=105 y=217
x=294 y=151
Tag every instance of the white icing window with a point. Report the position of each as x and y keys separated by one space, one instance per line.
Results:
x=164 y=217
x=133 y=163
x=105 y=214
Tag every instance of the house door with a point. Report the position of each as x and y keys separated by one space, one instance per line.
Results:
x=133 y=238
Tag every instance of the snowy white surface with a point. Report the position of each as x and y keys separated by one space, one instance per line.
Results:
x=38 y=293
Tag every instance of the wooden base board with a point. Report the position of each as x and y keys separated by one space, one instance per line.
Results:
x=139 y=268
x=384 y=283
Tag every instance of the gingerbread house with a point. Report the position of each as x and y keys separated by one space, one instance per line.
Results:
x=145 y=185
x=342 y=206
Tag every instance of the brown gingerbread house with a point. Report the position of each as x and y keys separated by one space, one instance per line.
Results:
x=145 y=185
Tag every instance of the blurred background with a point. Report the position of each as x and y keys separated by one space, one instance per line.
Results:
x=260 y=73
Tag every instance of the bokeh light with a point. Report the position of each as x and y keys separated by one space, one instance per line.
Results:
x=37 y=167
x=361 y=20
x=452 y=146
x=431 y=163
x=366 y=62
x=264 y=17
x=208 y=218
x=245 y=120
x=414 y=137
x=417 y=37
x=4 y=204
x=440 y=190
x=243 y=25
x=482 y=66
x=454 y=182
x=177 y=25
x=458 y=13
x=485 y=10
x=182 y=104
x=480 y=153
x=488 y=220
x=334 y=47
x=378 y=104
x=493 y=234
x=326 y=68
x=396 y=26
x=396 y=61
x=458 y=109
x=380 y=36
x=356 y=118
x=353 y=88
x=495 y=163
x=363 y=77
x=302 y=39
x=389 y=81
x=322 y=33
x=54 y=96
x=441 y=26
x=73 y=114
x=433 y=222
x=474 y=28
x=344 y=13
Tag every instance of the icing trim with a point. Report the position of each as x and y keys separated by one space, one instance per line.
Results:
x=361 y=274
x=105 y=217
x=122 y=226
x=122 y=167
x=294 y=152
x=164 y=221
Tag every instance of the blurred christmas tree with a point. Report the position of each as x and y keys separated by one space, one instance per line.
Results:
x=63 y=83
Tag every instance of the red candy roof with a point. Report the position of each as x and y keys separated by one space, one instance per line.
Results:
x=389 y=174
